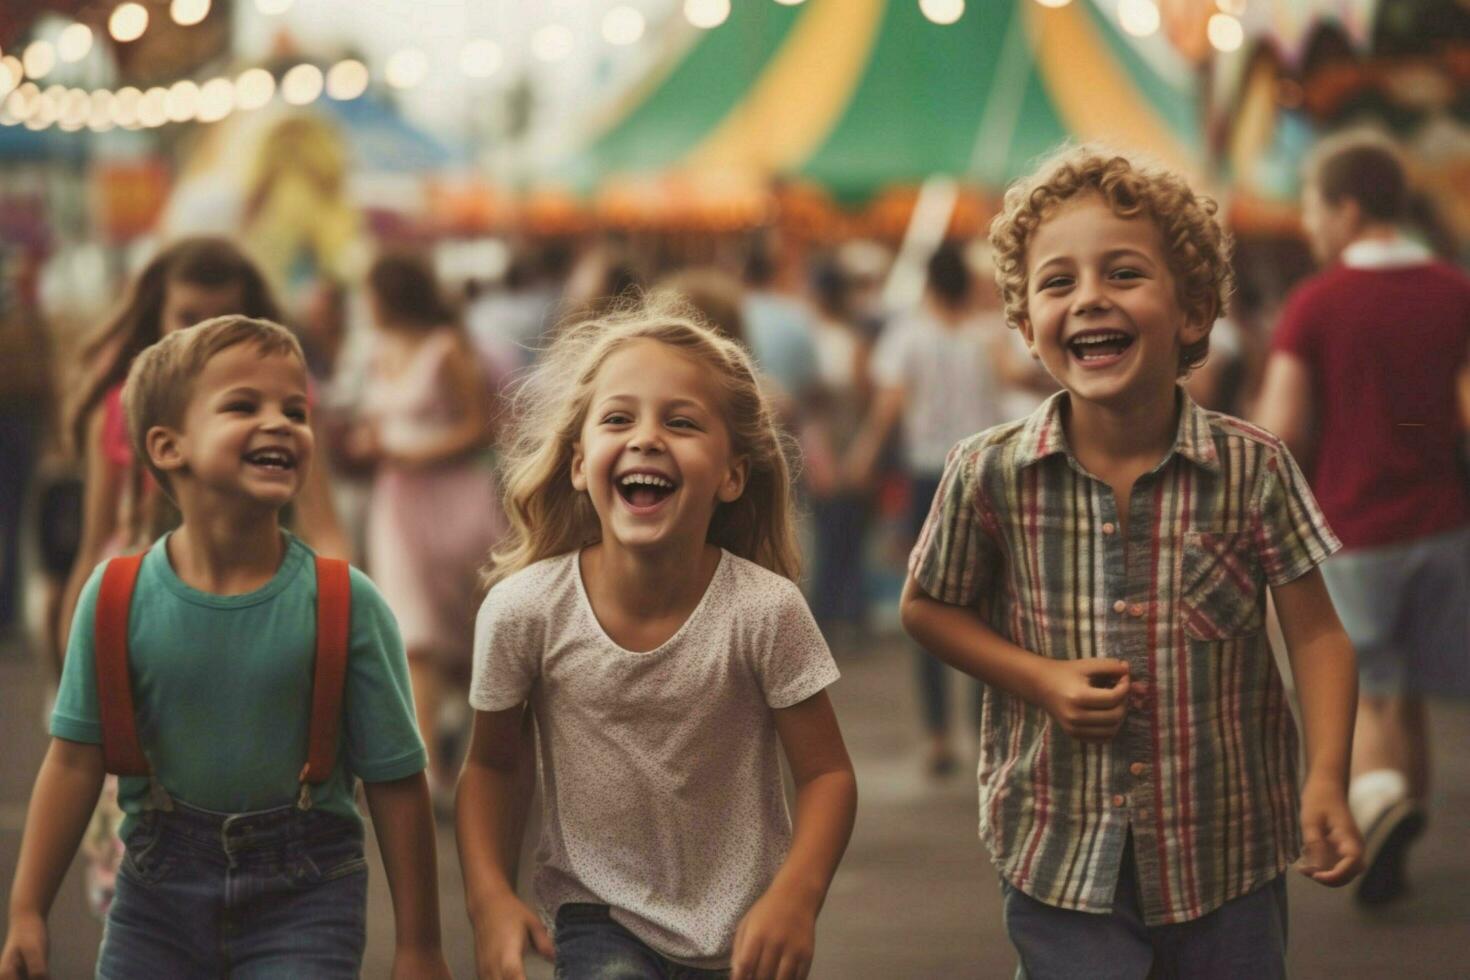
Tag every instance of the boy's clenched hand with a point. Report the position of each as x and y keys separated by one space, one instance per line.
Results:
x=1087 y=698
x=24 y=956
x=1332 y=847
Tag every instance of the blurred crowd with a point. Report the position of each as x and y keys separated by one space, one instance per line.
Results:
x=879 y=358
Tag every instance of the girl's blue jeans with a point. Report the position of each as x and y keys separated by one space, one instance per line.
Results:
x=278 y=893
x=591 y=946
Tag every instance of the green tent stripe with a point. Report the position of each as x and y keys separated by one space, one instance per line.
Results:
x=708 y=83
x=1041 y=132
x=1176 y=106
x=916 y=110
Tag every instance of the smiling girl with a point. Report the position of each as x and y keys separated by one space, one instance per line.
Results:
x=644 y=610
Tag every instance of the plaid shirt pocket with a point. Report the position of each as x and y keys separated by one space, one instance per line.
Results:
x=1220 y=595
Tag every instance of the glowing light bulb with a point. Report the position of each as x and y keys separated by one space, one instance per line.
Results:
x=706 y=14
x=254 y=88
x=216 y=100
x=623 y=25
x=39 y=58
x=302 y=84
x=187 y=13
x=942 y=12
x=347 y=80
x=1225 y=32
x=1139 y=17
x=128 y=22
x=73 y=43
x=407 y=68
x=182 y=102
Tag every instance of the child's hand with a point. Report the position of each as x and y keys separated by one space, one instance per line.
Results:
x=1087 y=698
x=420 y=964
x=776 y=939
x=500 y=940
x=24 y=956
x=1332 y=847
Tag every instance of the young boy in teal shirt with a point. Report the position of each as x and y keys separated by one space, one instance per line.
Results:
x=1102 y=566
x=234 y=864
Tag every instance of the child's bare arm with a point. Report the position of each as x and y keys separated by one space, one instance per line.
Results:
x=1326 y=675
x=776 y=938
x=405 y=828
x=1088 y=698
x=490 y=811
x=883 y=415
x=61 y=804
x=102 y=487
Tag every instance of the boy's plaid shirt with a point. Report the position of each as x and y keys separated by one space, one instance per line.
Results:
x=1203 y=770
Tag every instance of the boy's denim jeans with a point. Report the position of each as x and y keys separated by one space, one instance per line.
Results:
x=279 y=893
x=591 y=946
x=1245 y=937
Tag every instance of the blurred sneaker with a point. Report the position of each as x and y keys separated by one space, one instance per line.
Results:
x=1390 y=822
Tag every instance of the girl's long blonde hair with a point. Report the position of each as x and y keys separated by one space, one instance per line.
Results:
x=549 y=517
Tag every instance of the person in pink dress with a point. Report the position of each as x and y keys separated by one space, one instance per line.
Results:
x=434 y=512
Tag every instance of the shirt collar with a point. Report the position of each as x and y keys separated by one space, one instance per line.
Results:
x=1043 y=435
x=1391 y=253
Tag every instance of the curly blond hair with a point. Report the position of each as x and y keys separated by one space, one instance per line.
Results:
x=549 y=517
x=1196 y=247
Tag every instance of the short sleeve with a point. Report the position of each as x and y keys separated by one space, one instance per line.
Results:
x=382 y=739
x=955 y=558
x=76 y=716
x=1292 y=536
x=1295 y=330
x=793 y=662
x=507 y=651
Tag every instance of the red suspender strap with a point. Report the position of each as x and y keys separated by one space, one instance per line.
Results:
x=122 y=752
x=333 y=619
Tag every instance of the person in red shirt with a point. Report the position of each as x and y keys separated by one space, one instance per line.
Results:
x=1366 y=384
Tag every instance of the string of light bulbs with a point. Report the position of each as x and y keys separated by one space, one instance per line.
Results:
x=23 y=101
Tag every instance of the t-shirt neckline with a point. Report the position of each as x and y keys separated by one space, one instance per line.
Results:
x=291 y=561
x=586 y=603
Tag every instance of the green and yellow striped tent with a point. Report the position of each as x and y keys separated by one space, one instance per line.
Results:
x=859 y=95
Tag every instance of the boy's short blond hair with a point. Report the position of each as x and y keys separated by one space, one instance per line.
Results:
x=1196 y=247
x=161 y=379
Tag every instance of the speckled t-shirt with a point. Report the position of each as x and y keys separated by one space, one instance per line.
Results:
x=660 y=775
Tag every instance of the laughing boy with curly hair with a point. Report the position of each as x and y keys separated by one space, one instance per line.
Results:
x=1102 y=566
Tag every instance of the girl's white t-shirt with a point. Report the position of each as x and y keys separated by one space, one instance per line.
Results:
x=660 y=775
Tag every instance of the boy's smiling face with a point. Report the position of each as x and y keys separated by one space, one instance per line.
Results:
x=1103 y=310
x=245 y=436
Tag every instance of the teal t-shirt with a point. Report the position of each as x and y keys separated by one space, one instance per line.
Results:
x=222 y=689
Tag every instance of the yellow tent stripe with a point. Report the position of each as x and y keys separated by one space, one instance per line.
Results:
x=799 y=98
x=1092 y=93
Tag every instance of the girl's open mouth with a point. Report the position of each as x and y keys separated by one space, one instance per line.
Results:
x=644 y=490
x=1099 y=346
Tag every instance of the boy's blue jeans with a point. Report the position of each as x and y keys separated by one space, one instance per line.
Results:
x=1245 y=937
x=279 y=893
x=591 y=946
